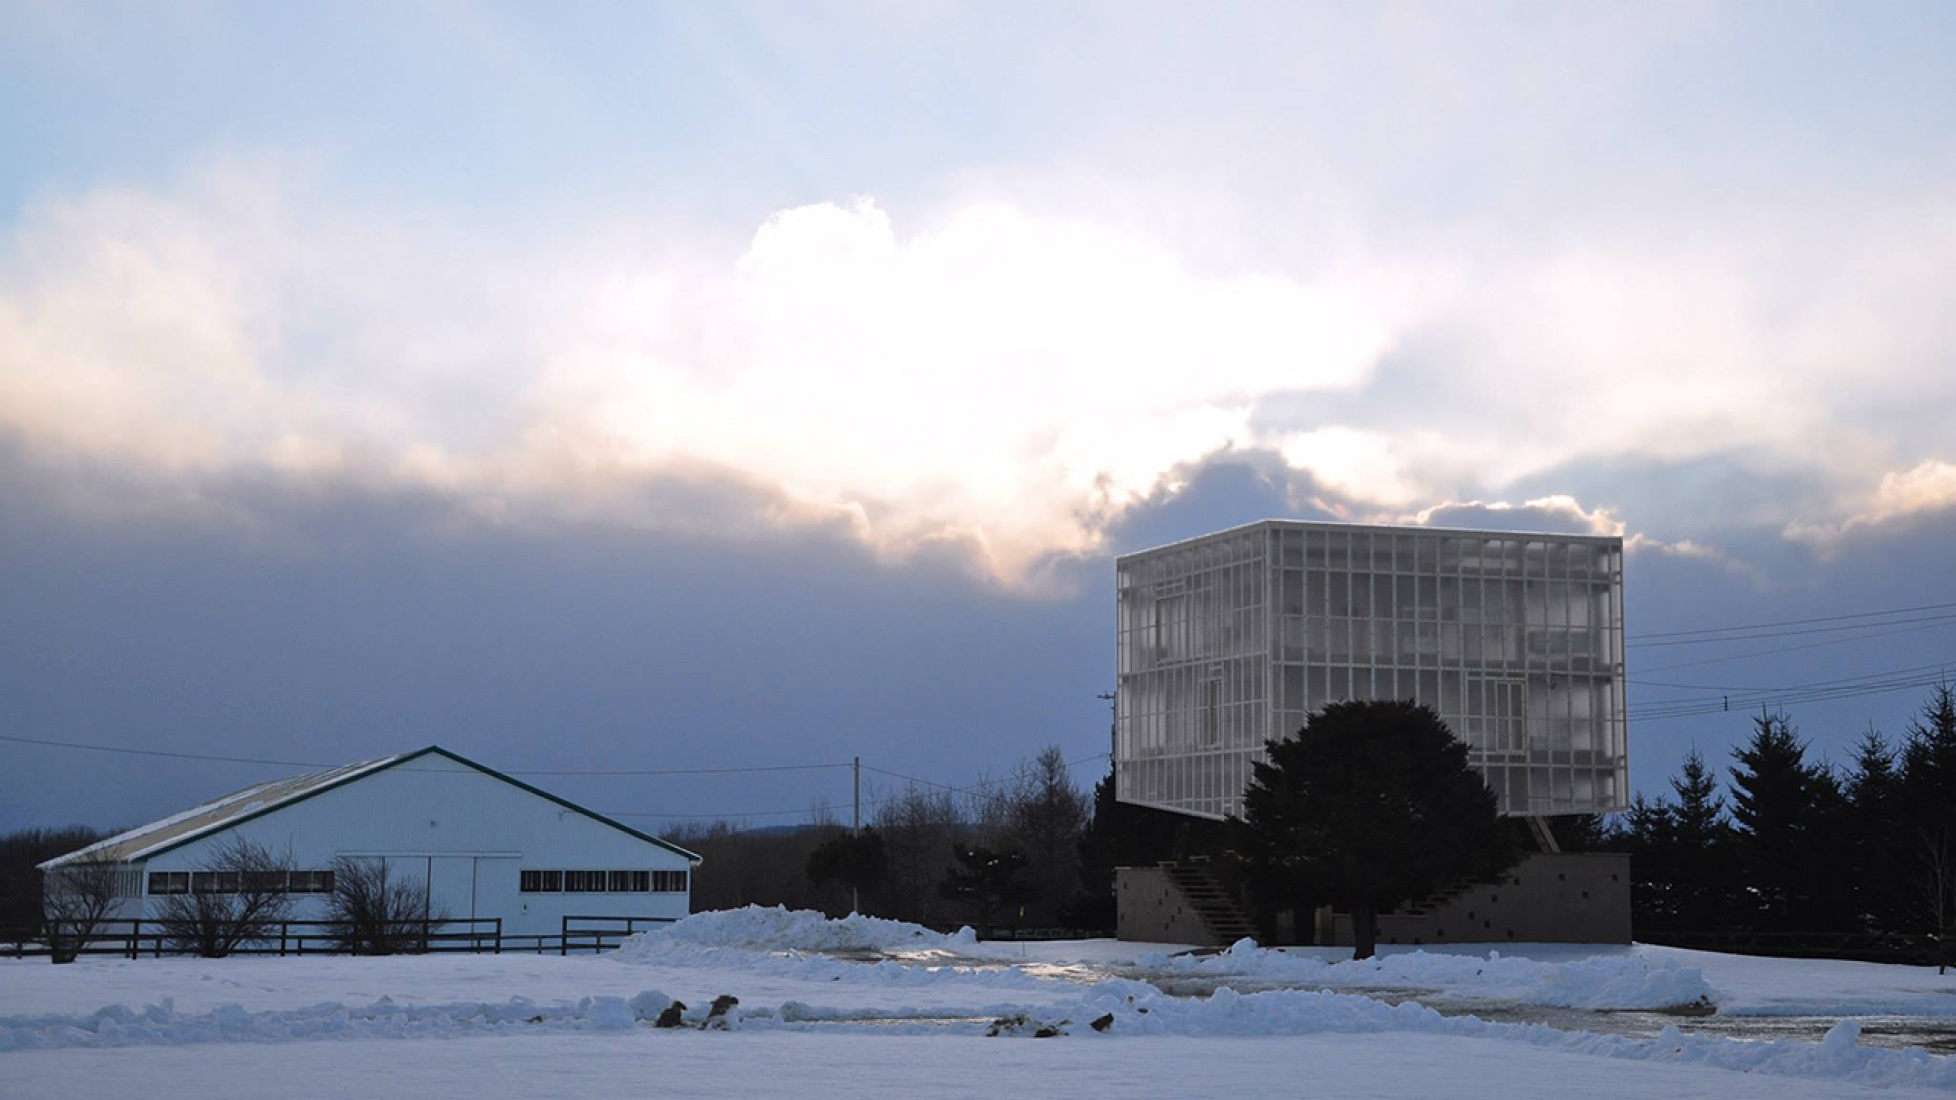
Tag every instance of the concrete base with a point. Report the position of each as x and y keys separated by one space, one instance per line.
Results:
x=1149 y=908
x=1561 y=897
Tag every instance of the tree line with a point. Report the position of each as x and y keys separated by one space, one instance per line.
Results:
x=1787 y=846
x=998 y=854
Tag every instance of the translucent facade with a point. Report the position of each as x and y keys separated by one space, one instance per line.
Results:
x=1231 y=639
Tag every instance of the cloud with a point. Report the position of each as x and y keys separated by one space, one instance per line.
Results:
x=1002 y=375
x=1903 y=497
x=1556 y=514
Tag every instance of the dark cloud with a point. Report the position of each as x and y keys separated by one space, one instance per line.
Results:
x=349 y=624
x=342 y=622
x=1224 y=490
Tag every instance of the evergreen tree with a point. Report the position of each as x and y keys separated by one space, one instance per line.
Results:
x=1928 y=821
x=1873 y=792
x=1372 y=805
x=855 y=863
x=1649 y=835
x=1699 y=864
x=989 y=883
x=1789 y=838
x=1929 y=762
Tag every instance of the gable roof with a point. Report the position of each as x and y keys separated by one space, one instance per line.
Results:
x=235 y=809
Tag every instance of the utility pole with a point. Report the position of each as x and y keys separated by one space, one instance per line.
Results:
x=1113 y=726
x=856 y=827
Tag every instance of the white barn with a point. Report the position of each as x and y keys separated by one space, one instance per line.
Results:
x=488 y=845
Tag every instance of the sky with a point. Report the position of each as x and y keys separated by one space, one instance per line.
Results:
x=623 y=387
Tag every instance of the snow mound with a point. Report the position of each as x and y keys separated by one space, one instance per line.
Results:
x=1600 y=982
x=1839 y=1056
x=781 y=929
x=806 y=946
x=162 y=1025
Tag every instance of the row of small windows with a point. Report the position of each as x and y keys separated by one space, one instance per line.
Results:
x=604 y=882
x=237 y=882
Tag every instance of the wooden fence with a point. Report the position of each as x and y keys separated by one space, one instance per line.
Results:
x=139 y=939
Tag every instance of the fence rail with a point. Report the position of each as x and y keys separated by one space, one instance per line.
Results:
x=137 y=939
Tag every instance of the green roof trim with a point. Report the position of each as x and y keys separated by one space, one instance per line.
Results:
x=402 y=759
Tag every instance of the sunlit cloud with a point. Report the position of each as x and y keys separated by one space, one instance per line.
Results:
x=984 y=372
x=1902 y=495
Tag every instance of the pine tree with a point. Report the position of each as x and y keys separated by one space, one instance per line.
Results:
x=1873 y=793
x=1928 y=821
x=1929 y=761
x=1649 y=835
x=1788 y=840
x=1373 y=804
x=1701 y=840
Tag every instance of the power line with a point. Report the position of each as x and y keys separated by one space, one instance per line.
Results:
x=1797 y=622
x=1789 y=633
x=690 y=771
x=1818 y=693
x=212 y=758
x=1791 y=648
x=163 y=753
x=1734 y=689
x=981 y=784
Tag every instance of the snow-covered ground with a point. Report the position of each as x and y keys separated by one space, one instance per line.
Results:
x=865 y=1007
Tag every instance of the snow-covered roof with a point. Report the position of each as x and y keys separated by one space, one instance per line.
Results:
x=217 y=814
x=220 y=814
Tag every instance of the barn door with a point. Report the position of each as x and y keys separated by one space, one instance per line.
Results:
x=451 y=889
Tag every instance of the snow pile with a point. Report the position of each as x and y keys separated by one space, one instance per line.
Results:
x=162 y=1025
x=781 y=929
x=1839 y=1056
x=1599 y=982
x=1113 y=1010
x=806 y=946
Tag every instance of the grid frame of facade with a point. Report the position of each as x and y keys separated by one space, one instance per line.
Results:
x=1231 y=639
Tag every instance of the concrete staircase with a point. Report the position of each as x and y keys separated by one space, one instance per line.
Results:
x=1225 y=919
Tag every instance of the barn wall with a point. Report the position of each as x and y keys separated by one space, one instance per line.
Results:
x=474 y=832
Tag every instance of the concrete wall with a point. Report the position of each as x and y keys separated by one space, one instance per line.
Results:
x=1548 y=898
x=1565 y=897
x=467 y=833
x=1150 y=909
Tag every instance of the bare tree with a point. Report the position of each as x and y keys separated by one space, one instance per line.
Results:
x=1935 y=883
x=76 y=899
x=372 y=912
x=240 y=897
x=918 y=829
x=1045 y=816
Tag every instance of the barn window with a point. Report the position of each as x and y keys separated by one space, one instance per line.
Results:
x=585 y=882
x=602 y=882
x=264 y=882
x=169 y=882
x=544 y=882
x=312 y=882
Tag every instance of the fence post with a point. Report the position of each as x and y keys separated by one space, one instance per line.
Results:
x=135 y=938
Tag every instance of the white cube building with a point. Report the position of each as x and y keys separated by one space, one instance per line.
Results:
x=1230 y=640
